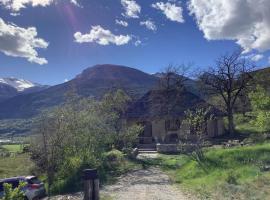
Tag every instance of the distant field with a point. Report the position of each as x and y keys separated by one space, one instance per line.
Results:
x=13 y=148
x=17 y=165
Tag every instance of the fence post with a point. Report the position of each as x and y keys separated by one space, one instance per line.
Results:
x=91 y=184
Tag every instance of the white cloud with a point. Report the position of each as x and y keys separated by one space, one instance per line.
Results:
x=245 y=21
x=149 y=25
x=137 y=42
x=172 y=11
x=21 y=42
x=121 y=23
x=255 y=57
x=17 y=5
x=102 y=36
x=75 y=2
x=132 y=8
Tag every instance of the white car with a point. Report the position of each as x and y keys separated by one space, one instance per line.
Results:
x=33 y=190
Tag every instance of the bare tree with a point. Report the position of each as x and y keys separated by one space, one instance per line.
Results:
x=171 y=84
x=174 y=77
x=228 y=79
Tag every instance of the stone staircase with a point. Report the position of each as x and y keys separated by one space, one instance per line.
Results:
x=147 y=148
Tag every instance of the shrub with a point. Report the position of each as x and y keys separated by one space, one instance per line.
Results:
x=12 y=194
x=232 y=178
x=113 y=157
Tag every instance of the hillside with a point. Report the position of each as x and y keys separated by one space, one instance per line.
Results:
x=262 y=77
x=94 y=81
x=6 y=91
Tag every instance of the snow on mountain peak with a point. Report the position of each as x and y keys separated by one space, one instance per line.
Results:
x=19 y=84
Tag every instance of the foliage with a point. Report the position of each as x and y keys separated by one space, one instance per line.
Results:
x=76 y=136
x=197 y=121
x=12 y=194
x=260 y=102
x=129 y=136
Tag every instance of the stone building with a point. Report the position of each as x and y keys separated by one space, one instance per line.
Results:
x=162 y=114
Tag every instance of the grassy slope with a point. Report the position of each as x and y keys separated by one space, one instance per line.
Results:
x=13 y=148
x=228 y=173
x=17 y=165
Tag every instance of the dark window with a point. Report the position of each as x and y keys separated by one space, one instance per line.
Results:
x=172 y=125
x=1 y=187
x=34 y=180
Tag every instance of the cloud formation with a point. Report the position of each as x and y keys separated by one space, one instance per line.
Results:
x=21 y=42
x=132 y=8
x=255 y=57
x=121 y=23
x=102 y=36
x=172 y=11
x=245 y=21
x=149 y=25
x=17 y=5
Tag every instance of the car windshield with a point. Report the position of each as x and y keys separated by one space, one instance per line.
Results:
x=34 y=181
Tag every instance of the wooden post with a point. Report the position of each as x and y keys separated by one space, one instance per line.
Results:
x=91 y=184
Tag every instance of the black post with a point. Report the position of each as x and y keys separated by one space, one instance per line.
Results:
x=91 y=184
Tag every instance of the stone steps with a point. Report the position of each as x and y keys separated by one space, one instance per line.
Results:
x=147 y=146
x=147 y=152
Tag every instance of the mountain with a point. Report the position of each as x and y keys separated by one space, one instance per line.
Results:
x=262 y=77
x=10 y=87
x=92 y=82
x=6 y=91
x=19 y=84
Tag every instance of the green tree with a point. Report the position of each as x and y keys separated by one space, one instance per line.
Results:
x=260 y=103
x=197 y=121
x=76 y=135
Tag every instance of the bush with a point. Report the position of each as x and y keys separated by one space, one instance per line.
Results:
x=114 y=155
x=260 y=103
x=12 y=194
x=232 y=178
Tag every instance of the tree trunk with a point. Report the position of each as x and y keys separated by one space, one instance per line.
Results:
x=231 y=123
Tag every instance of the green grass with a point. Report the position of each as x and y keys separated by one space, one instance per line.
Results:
x=17 y=165
x=225 y=174
x=13 y=148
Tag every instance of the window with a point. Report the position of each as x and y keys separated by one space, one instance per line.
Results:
x=172 y=124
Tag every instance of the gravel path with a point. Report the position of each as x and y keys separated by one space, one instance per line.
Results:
x=144 y=184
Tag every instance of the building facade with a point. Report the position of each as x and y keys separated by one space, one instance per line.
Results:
x=162 y=115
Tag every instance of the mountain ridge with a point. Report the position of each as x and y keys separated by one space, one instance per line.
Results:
x=94 y=81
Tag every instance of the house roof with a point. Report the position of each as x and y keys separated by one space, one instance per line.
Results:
x=162 y=103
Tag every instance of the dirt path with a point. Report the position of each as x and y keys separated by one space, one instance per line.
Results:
x=145 y=184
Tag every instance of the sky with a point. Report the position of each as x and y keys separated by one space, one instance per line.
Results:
x=51 y=41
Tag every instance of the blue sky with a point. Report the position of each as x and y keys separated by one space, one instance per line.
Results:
x=175 y=38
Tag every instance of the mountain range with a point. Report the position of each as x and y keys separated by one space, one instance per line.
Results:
x=22 y=99
x=92 y=82
x=10 y=87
